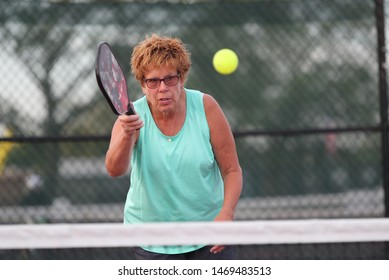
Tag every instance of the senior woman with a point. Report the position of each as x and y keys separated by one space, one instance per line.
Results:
x=180 y=149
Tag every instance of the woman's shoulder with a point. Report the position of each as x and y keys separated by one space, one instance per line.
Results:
x=193 y=93
x=140 y=104
x=140 y=100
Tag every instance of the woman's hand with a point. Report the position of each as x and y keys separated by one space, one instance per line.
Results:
x=130 y=124
x=223 y=216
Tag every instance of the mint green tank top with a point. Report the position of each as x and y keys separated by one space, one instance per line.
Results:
x=174 y=178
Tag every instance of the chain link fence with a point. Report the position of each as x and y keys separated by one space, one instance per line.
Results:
x=304 y=103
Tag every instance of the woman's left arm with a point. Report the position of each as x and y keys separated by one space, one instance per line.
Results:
x=224 y=148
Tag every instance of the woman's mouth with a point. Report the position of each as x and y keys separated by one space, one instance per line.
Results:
x=165 y=101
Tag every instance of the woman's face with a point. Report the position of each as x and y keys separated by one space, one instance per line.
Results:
x=162 y=87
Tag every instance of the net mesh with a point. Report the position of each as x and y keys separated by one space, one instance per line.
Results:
x=352 y=239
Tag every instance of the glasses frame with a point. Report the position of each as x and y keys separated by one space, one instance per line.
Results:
x=160 y=80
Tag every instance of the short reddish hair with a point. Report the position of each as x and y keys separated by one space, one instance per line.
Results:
x=156 y=51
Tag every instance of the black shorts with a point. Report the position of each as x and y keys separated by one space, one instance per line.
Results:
x=200 y=254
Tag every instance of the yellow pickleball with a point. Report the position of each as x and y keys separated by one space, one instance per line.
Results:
x=225 y=61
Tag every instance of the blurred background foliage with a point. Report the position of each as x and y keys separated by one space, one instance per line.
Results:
x=304 y=103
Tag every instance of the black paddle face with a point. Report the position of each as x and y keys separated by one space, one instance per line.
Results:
x=112 y=81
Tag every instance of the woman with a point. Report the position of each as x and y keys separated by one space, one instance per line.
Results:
x=179 y=145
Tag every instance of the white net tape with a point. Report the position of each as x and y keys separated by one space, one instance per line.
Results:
x=237 y=232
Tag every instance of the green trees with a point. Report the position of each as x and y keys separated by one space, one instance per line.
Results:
x=303 y=65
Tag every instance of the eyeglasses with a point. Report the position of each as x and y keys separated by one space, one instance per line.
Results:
x=169 y=81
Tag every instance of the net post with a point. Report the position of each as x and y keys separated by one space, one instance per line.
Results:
x=381 y=52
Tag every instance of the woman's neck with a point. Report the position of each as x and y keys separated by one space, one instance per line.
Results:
x=171 y=122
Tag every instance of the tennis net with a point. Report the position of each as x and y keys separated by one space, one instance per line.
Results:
x=328 y=239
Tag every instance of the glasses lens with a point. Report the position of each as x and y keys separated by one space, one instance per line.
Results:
x=153 y=83
x=171 y=81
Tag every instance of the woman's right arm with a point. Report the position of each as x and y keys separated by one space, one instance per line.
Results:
x=125 y=133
